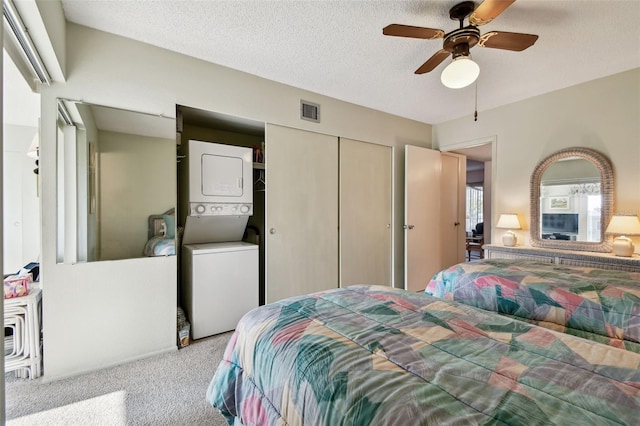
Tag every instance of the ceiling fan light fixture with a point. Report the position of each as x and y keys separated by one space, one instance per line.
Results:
x=461 y=72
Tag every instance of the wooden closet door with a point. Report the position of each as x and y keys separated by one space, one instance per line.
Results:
x=302 y=212
x=365 y=213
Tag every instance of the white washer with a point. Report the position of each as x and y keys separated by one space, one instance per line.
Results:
x=219 y=285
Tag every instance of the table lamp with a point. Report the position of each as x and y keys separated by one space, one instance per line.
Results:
x=622 y=226
x=509 y=221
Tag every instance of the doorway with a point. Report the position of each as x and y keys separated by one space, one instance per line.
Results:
x=478 y=199
x=474 y=211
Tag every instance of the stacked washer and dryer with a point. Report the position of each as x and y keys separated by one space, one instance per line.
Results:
x=219 y=271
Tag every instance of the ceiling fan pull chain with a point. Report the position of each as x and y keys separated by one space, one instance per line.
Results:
x=475 y=112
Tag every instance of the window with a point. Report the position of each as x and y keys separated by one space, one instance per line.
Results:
x=594 y=211
x=474 y=206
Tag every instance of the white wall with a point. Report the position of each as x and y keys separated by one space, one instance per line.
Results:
x=102 y=313
x=21 y=204
x=603 y=115
x=2 y=396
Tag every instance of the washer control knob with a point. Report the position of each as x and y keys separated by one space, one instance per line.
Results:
x=200 y=209
x=244 y=209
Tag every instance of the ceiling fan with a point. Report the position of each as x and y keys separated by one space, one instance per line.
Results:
x=462 y=71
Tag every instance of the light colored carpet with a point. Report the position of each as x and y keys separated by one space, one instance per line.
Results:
x=163 y=390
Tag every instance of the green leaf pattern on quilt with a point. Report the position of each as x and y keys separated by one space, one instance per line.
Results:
x=366 y=355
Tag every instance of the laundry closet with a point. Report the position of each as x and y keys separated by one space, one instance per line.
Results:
x=220 y=218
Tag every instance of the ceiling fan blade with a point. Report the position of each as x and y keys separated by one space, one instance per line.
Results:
x=400 y=30
x=433 y=61
x=488 y=11
x=507 y=41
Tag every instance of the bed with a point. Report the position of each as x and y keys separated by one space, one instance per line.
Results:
x=597 y=304
x=161 y=235
x=369 y=355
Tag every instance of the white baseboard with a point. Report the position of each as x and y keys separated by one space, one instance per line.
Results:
x=47 y=379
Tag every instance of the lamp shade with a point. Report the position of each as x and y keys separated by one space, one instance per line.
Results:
x=508 y=221
x=624 y=225
x=461 y=72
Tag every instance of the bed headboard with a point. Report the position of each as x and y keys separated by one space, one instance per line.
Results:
x=156 y=223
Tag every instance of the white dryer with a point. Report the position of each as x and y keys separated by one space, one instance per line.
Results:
x=216 y=192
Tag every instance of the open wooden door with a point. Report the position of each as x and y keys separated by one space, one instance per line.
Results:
x=421 y=216
x=434 y=213
x=452 y=208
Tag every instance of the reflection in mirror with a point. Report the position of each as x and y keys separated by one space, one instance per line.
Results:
x=116 y=183
x=571 y=199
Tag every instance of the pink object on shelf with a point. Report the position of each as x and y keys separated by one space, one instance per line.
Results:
x=16 y=286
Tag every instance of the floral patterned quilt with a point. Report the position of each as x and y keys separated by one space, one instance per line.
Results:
x=601 y=305
x=377 y=356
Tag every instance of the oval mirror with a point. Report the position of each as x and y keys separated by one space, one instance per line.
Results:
x=116 y=184
x=572 y=200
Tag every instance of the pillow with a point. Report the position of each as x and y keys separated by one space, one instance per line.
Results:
x=170 y=225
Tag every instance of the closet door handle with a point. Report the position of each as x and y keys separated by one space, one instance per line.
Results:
x=408 y=226
x=272 y=231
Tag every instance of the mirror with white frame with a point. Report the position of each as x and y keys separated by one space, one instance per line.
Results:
x=116 y=183
x=571 y=200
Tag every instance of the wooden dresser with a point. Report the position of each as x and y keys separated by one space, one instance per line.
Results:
x=564 y=257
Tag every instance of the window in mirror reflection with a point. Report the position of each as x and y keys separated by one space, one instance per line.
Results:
x=116 y=183
x=474 y=207
x=571 y=201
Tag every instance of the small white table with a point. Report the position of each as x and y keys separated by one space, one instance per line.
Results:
x=25 y=311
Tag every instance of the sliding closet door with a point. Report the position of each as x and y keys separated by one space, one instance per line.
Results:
x=302 y=212
x=365 y=213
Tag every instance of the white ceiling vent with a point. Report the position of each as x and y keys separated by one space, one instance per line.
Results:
x=309 y=111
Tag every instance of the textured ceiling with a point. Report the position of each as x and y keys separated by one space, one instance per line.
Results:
x=336 y=48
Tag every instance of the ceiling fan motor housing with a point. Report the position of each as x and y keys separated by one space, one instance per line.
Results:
x=459 y=42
